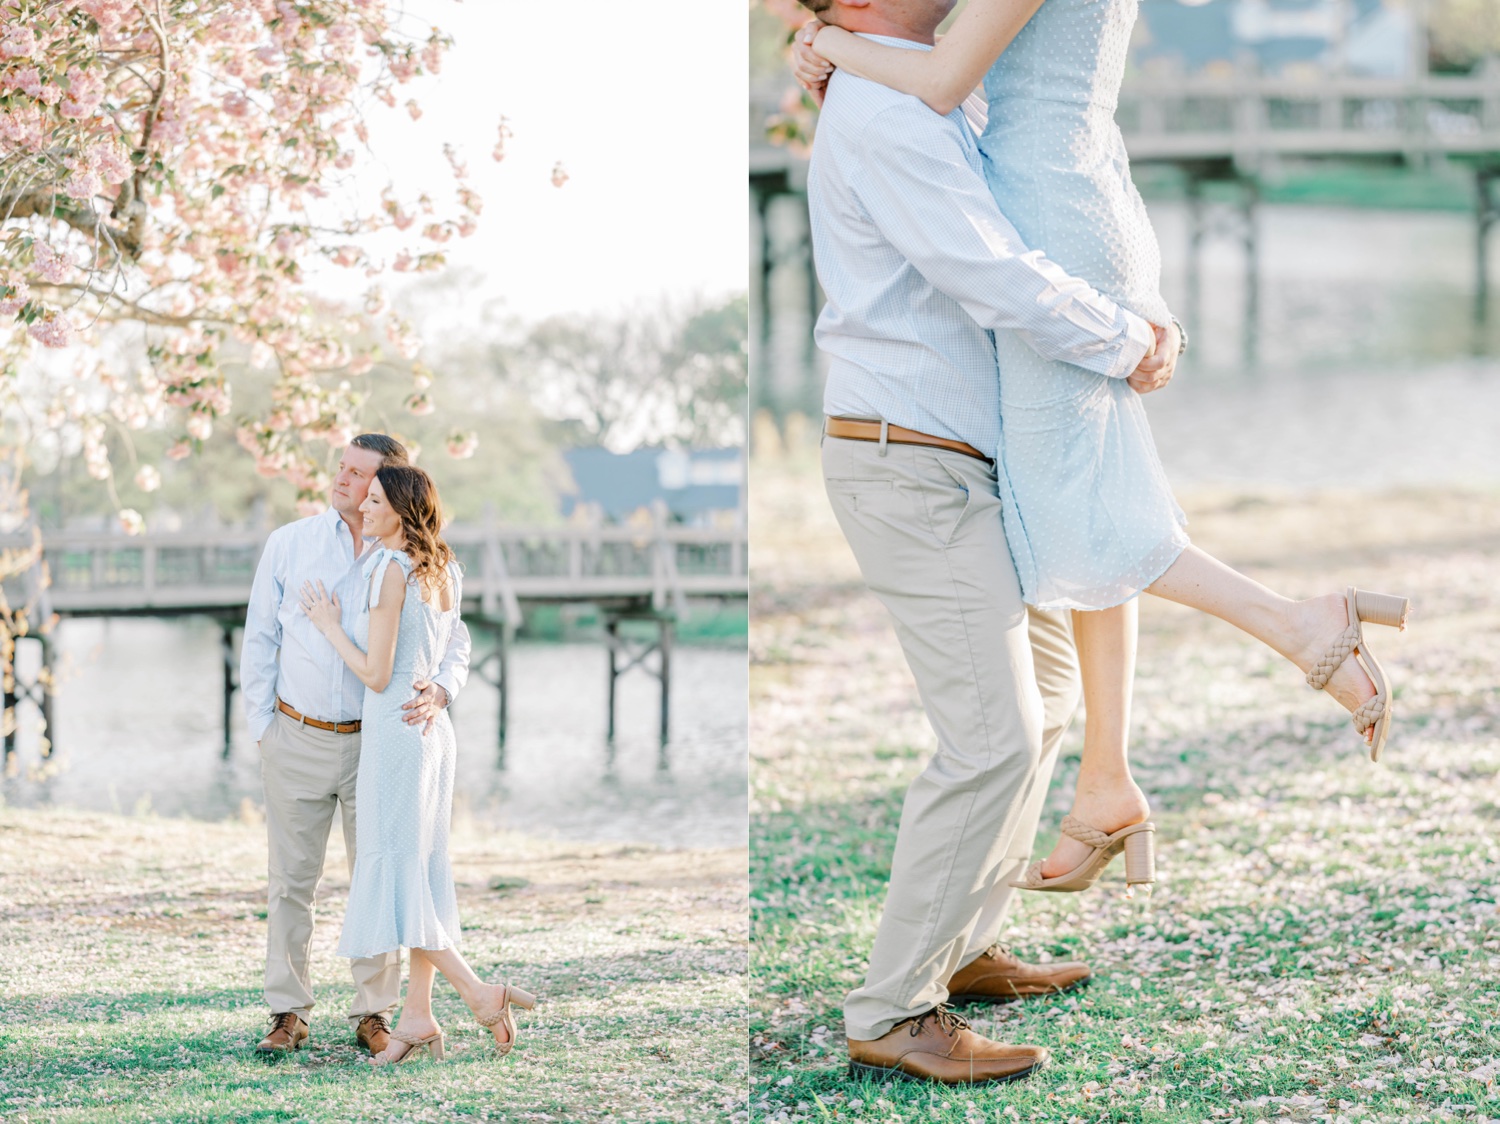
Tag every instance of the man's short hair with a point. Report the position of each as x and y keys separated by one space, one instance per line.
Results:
x=390 y=450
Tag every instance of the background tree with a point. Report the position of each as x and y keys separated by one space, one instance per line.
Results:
x=647 y=376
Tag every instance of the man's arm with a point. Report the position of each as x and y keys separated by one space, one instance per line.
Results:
x=436 y=693
x=262 y=641
x=919 y=189
x=453 y=672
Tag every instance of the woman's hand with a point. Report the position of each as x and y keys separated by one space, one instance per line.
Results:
x=810 y=68
x=321 y=607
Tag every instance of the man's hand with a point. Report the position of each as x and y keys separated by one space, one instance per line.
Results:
x=1157 y=368
x=810 y=68
x=428 y=703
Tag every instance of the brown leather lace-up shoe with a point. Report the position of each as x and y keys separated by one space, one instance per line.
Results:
x=999 y=976
x=939 y=1046
x=373 y=1033
x=288 y=1032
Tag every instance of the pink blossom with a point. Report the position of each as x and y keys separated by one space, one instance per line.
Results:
x=132 y=521
x=437 y=232
x=200 y=426
x=13 y=296
x=559 y=175
x=27 y=79
x=84 y=183
x=420 y=404
x=50 y=265
x=18 y=42
x=85 y=91
x=148 y=479
x=504 y=135
x=461 y=446
x=52 y=330
x=181 y=450
x=414 y=111
x=360 y=365
x=347 y=256
x=310 y=505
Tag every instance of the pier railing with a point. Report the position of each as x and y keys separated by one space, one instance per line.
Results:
x=95 y=573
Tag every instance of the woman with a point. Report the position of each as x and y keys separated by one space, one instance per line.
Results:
x=1089 y=516
x=401 y=893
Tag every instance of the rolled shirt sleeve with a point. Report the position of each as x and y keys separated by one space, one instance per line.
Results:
x=966 y=248
x=453 y=672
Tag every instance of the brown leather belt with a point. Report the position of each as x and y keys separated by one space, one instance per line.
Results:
x=860 y=429
x=318 y=724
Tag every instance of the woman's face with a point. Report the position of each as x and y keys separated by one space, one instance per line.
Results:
x=381 y=520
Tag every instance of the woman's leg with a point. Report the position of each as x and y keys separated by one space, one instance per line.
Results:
x=416 y=1013
x=482 y=998
x=1298 y=630
x=1107 y=796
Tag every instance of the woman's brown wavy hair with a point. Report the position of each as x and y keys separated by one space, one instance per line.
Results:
x=413 y=496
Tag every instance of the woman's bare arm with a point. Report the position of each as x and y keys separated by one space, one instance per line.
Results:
x=375 y=666
x=944 y=76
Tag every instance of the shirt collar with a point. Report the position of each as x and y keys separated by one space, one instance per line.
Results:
x=893 y=41
x=334 y=520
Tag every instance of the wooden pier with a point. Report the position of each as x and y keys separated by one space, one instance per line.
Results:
x=1228 y=131
x=631 y=574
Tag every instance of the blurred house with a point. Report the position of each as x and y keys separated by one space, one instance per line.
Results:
x=1369 y=38
x=700 y=487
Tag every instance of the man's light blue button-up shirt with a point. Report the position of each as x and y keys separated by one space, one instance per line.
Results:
x=919 y=267
x=283 y=652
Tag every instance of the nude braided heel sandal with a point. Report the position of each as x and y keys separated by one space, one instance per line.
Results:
x=1376 y=608
x=1137 y=841
x=503 y=1017
x=432 y=1046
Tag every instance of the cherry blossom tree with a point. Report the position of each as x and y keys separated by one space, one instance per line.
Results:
x=170 y=173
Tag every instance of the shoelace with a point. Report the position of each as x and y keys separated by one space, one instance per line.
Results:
x=380 y=1022
x=285 y=1021
x=945 y=1018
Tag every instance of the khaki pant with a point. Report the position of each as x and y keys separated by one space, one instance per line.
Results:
x=999 y=683
x=306 y=773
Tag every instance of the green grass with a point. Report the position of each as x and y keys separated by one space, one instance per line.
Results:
x=1322 y=944
x=134 y=946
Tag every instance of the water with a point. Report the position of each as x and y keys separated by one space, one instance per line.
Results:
x=138 y=727
x=1366 y=368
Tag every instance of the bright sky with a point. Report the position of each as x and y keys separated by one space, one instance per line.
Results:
x=645 y=106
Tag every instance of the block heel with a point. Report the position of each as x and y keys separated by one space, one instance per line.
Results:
x=1387 y=609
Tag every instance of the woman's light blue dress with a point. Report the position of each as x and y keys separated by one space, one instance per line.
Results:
x=1088 y=512
x=401 y=893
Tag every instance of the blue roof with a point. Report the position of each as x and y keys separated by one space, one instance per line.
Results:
x=692 y=482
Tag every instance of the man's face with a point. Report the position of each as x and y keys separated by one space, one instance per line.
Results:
x=357 y=467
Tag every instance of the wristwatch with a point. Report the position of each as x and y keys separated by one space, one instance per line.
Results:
x=1182 y=337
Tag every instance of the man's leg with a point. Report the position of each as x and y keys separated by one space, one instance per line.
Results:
x=377 y=979
x=300 y=774
x=925 y=528
x=1056 y=662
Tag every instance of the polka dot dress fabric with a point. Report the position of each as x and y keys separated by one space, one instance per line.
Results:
x=401 y=894
x=1089 y=514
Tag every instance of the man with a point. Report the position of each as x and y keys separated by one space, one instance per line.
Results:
x=303 y=705
x=919 y=267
